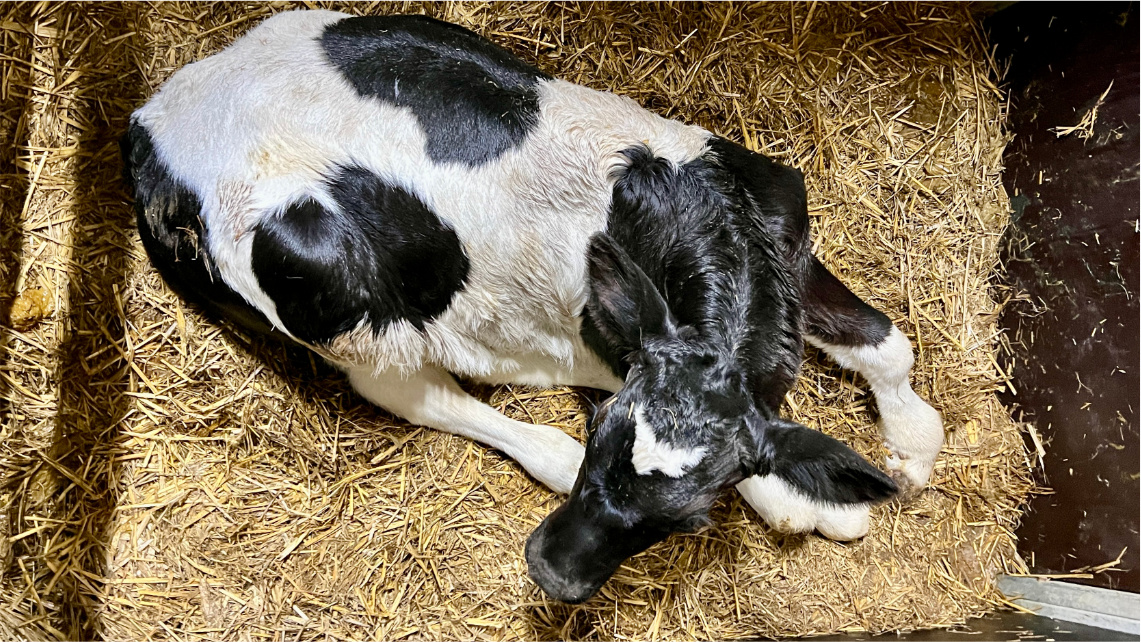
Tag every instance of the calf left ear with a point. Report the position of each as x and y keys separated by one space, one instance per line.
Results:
x=815 y=464
x=624 y=304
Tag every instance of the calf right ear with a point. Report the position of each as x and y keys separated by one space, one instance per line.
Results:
x=624 y=304
x=815 y=464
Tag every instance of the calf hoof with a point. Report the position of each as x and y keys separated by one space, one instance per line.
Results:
x=914 y=438
x=910 y=475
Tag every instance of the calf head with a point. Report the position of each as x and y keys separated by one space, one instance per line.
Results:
x=659 y=451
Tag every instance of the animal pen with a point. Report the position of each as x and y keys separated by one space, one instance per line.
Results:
x=165 y=476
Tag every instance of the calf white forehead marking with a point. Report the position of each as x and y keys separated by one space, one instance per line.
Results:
x=651 y=454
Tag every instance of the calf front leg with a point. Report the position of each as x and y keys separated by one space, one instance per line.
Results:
x=431 y=397
x=786 y=509
x=861 y=338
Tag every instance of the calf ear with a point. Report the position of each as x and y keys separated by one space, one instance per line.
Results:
x=623 y=304
x=817 y=465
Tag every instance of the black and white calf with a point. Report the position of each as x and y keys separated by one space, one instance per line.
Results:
x=411 y=201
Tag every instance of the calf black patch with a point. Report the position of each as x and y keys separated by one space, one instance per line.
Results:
x=770 y=213
x=831 y=311
x=775 y=191
x=837 y=316
x=473 y=99
x=171 y=230
x=673 y=222
x=670 y=220
x=382 y=254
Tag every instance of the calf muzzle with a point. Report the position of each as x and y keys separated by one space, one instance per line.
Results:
x=572 y=554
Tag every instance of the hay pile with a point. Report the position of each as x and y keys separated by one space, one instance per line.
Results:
x=166 y=478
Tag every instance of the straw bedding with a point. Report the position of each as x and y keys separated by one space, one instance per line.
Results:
x=165 y=477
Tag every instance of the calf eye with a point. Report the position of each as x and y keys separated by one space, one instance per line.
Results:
x=598 y=415
x=695 y=524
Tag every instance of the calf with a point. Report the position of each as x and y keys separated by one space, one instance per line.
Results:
x=411 y=201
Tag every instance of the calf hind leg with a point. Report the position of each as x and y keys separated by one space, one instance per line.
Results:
x=431 y=397
x=861 y=338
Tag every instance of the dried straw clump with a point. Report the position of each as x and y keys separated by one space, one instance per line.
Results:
x=167 y=478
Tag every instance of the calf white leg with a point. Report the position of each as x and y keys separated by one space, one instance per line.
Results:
x=431 y=397
x=787 y=510
x=912 y=430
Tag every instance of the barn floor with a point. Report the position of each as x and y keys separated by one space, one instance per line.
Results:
x=163 y=477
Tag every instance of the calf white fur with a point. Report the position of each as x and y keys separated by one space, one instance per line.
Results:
x=413 y=203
